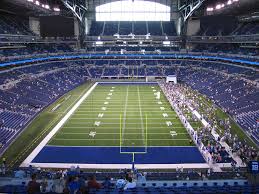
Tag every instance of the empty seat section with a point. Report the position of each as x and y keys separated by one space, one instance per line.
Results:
x=169 y=28
x=125 y=28
x=154 y=28
x=111 y=28
x=139 y=28
x=96 y=28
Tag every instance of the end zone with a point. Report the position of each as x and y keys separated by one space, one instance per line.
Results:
x=110 y=157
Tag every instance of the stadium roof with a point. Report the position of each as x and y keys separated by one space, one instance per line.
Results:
x=242 y=7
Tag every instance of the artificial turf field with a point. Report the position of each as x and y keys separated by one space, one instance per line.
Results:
x=126 y=115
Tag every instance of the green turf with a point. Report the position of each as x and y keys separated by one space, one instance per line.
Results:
x=132 y=118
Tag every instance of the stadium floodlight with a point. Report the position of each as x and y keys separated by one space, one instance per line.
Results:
x=47 y=6
x=30 y=0
x=37 y=2
x=218 y=6
x=210 y=9
x=235 y=0
x=229 y=2
x=56 y=9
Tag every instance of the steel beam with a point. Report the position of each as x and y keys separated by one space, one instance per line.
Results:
x=188 y=7
x=78 y=8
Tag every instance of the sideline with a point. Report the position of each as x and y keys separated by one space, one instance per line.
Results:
x=35 y=152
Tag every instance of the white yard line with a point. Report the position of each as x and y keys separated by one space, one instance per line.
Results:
x=129 y=108
x=116 y=118
x=141 y=118
x=95 y=139
x=117 y=111
x=125 y=113
x=158 y=127
x=119 y=104
x=83 y=133
x=115 y=100
x=62 y=146
x=114 y=123
x=128 y=123
x=36 y=151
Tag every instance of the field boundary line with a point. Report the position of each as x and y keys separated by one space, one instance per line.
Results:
x=62 y=146
x=133 y=107
x=116 y=118
x=36 y=151
x=125 y=166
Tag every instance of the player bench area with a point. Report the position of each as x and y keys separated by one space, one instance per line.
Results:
x=112 y=121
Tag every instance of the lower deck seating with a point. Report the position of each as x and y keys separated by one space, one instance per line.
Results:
x=21 y=189
x=35 y=90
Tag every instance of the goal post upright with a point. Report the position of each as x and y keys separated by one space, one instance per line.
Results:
x=120 y=134
x=146 y=133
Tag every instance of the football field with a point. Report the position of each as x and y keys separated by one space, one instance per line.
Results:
x=115 y=124
x=126 y=115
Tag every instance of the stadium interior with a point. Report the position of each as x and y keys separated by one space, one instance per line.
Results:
x=129 y=96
